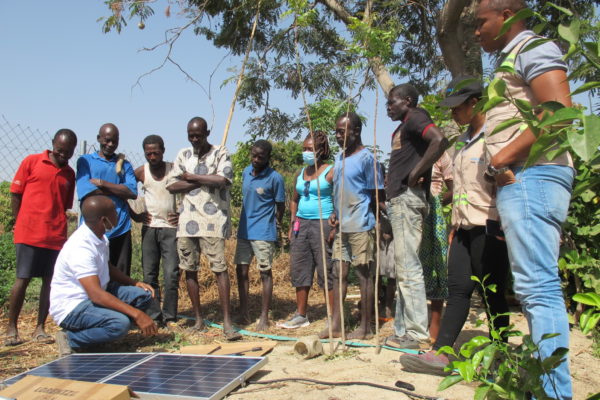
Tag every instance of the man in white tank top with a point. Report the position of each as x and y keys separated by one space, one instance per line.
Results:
x=157 y=212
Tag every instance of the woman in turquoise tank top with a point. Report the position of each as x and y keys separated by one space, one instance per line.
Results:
x=306 y=242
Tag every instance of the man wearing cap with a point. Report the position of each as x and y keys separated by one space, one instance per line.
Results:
x=532 y=202
x=416 y=145
x=472 y=250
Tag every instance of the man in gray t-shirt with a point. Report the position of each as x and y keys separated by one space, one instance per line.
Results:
x=532 y=202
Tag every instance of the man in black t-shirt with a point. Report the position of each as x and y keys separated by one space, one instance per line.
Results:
x=416 y=145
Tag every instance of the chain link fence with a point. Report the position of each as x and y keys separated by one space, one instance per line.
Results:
x=18 y=141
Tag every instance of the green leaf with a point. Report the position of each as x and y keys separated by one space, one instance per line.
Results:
x=523 y=105
x=562 y=115
x=559 y=8
x=520 y=15
x=446 y=350
x=539 y=27
x=476 y=360
x=585 y=87
x=479 y=340
x=588 y=321
x=449 y=381
x=466 y=370
x=496 y=88
x=546 y=336
x=585 y=142
x=591 y=299
x=481 y=392
x=571 y=32
x=534 y=44
x=542 y=145
x=488 y=356
x=506 y=124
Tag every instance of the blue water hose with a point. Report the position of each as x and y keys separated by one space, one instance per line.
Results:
x=293 y=339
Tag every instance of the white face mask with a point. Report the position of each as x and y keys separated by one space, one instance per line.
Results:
x=110 y=224
x=308 y=157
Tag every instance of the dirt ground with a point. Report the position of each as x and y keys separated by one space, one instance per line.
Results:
x=357 y=364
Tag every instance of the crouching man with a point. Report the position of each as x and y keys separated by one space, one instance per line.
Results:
x=90 y=309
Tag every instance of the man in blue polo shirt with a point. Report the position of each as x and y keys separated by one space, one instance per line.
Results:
x=109 y=174
x=263 y=203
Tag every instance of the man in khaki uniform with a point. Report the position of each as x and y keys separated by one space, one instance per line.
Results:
x=532 y=202
x=474 y=250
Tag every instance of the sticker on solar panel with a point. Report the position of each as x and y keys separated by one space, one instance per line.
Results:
x=155 y=375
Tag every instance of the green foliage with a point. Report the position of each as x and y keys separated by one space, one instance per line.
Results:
x=6 y=218
x=590 y=317
x=502 y=371
x=8 y=265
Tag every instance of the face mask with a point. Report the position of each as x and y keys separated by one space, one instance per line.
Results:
x=110 y=227
x=308 y=157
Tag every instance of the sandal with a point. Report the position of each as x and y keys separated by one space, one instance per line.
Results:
x=43 y=338
x=232 y=335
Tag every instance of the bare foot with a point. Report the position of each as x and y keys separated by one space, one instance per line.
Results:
x=324 y=334
x=262 y=325
x=13 y=340
x=197 y=327
x=360 y=334
x=242 y=319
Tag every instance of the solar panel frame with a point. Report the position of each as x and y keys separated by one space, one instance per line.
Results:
x=144 y=367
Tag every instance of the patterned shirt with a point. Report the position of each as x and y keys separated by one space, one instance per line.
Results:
x=204 y=211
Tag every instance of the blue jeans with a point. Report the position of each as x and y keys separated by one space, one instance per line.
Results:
x=531 y=211
x=89 y=323
x=407 y=213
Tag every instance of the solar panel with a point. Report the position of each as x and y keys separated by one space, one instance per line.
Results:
x=83 y=367
x=156 y=375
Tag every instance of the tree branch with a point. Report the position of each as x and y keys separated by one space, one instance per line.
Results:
x=451 y=38
x=379 y=69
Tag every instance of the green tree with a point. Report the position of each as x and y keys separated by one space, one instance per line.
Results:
x=344 y=47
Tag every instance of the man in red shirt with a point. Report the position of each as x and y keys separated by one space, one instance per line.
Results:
x=42 y=190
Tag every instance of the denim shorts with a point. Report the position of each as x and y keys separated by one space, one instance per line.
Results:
x=261 y=249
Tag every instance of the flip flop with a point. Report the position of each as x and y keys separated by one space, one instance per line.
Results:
x=391 y=341
x=232 y=335
x=13 y=340
x=43 y=338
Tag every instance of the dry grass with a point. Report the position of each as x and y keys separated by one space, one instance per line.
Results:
x=15 y=360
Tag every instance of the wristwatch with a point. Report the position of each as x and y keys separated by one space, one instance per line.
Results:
x=493 y=171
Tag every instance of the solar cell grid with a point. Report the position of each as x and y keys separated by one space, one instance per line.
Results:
x=185 y=375
x=155 y=375
x=83 y=367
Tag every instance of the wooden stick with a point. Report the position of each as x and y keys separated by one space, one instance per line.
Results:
x=240 y=77
x=377 y=232
x=322 y=231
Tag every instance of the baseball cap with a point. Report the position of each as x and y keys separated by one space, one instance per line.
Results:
x=460 y=89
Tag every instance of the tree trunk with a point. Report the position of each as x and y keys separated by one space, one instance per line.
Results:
x=456 y=36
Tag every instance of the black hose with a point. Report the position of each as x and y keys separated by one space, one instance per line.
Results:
x=375 y=385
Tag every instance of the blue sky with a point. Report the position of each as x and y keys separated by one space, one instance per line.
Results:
x=59 y=70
